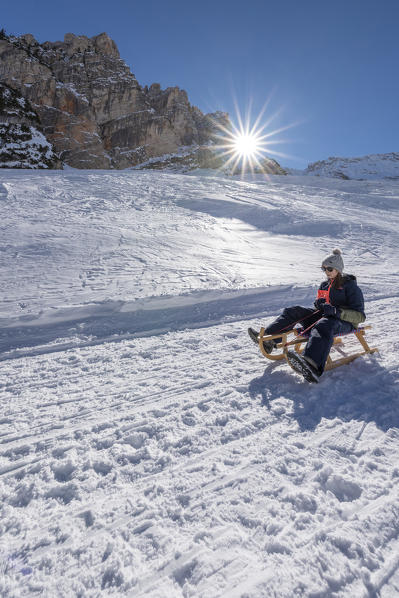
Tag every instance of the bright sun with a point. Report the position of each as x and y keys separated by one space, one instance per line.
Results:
x=245 y=146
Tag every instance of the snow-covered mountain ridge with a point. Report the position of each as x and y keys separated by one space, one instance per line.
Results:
x=147 y=448
x=374 y=166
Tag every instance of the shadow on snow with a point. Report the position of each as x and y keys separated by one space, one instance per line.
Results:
x=361 y=391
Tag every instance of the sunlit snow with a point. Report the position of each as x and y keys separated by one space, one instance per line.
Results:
x=147 y=448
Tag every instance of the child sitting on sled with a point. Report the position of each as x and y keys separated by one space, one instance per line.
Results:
x=339 y=309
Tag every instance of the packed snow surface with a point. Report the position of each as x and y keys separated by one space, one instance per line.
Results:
x=147 y=448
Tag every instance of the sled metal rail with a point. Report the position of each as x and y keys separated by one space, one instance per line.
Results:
x=298 y=340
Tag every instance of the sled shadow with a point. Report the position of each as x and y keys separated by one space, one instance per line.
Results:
x=361 y=391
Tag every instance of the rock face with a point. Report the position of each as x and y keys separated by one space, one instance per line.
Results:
x=22 y=144
x=91 y=107
x=374 y=166
x=94 y=112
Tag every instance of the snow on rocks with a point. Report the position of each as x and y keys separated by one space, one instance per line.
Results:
x=147 y=448
x=374 y=166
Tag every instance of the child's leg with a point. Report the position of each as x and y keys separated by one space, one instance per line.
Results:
x=291 y=315
x=321 y=339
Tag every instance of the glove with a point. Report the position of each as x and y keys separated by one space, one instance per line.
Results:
x=319 y=303
x=330 y=310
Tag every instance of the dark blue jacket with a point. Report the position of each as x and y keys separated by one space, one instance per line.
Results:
x=348 y=296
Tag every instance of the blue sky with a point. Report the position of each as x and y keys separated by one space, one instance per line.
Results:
x=329 y=68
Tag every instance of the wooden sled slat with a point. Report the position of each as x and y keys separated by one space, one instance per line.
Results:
x=275 y=356
x=359 y=334
x=298 y=341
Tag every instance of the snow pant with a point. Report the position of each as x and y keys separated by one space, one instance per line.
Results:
x=321 y=335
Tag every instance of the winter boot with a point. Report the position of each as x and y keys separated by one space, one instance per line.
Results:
x=267 y=345
x=301 y=365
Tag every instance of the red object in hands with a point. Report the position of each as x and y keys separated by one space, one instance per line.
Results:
x=324 y=294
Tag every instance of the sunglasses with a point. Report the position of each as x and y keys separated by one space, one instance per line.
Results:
x=327 y=269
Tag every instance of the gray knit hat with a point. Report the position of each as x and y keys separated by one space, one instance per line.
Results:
x=334 y=261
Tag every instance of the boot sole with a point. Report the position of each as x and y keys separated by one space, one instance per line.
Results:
x=299 y=367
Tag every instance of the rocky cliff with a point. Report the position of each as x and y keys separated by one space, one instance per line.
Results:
x=22 y=143
x=91 y=107
x=96 y=115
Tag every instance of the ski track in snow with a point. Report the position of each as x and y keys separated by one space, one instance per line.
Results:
x=147 y=448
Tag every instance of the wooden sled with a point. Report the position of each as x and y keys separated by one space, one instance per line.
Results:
x=292 y=338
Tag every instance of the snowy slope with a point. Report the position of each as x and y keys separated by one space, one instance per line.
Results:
x=374 y=166
x=146 y=447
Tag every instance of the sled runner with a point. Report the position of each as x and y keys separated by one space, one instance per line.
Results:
x=293 y=338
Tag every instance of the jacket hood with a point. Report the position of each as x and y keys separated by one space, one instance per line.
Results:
x=349 y=277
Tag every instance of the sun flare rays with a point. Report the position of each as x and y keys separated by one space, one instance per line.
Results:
x=247 y=146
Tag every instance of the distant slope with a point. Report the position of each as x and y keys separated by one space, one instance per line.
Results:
x=74 y=240
x=374 y=166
